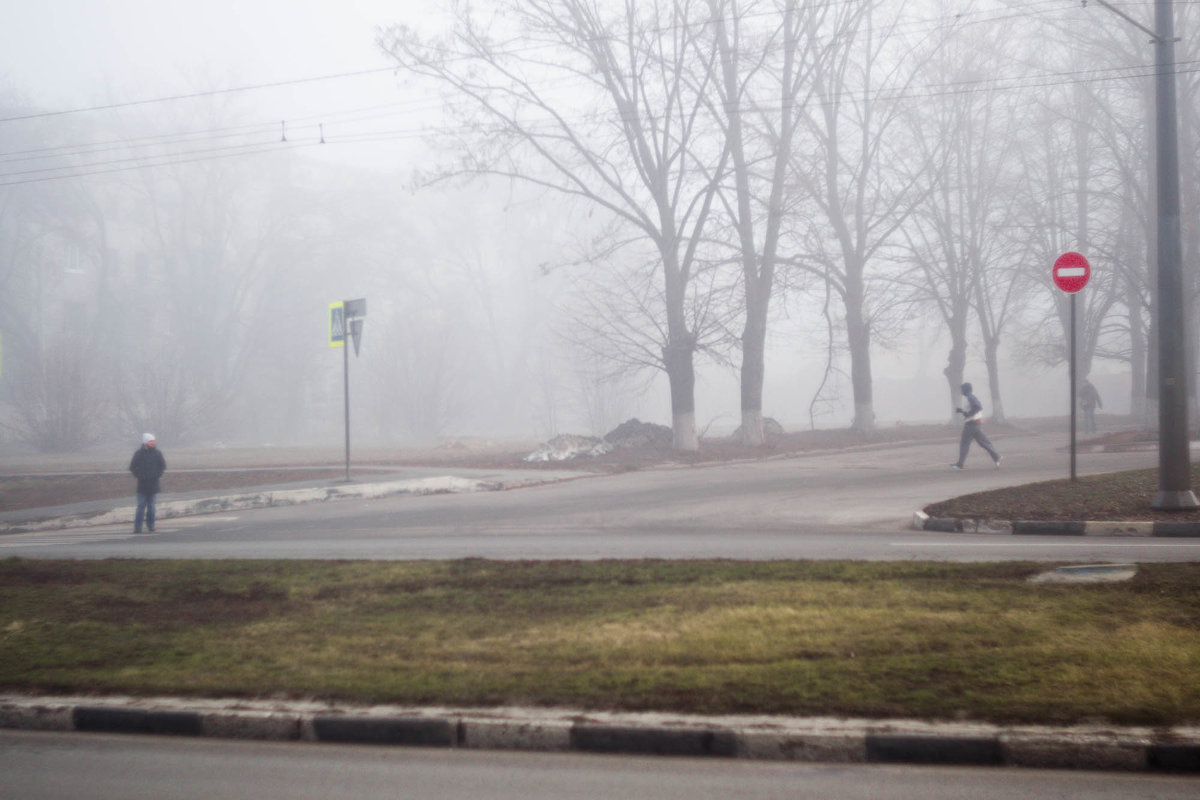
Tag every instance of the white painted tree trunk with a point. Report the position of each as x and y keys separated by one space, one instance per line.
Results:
x=683 y=427
x=752 y=428
x=864 y=416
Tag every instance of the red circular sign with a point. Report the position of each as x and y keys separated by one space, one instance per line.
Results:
x=1071 y=272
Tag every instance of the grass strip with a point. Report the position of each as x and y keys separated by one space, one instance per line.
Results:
x=914 y=639
x=1118 y=496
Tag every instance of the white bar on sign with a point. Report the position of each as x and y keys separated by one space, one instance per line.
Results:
x=1071 y=272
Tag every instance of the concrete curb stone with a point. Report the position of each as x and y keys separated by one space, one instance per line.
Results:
x=1133 y=528
x=495 y=734
x=415 y=732
x=262 y=726
x=107 y=719
x=811 y=740
x=925 y=749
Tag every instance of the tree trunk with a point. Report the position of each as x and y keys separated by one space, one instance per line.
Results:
x=858 y=336
x=993 y=370
x=1137 y=359
x=955 y=364
x=754 y=338
x=677 y=356
x=757 y=270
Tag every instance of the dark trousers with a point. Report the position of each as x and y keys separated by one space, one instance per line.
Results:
x=145 y=510
x=974 y=431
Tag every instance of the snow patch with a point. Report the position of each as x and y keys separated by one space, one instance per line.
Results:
x=631 y=433
x=567 y=446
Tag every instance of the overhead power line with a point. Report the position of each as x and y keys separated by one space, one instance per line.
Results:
x=153 y=145
x=960 y=18
x=194 y=95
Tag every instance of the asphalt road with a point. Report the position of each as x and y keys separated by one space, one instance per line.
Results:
x=52 y=766
x=838 y=505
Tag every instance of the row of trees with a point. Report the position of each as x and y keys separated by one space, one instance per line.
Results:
x=658 y=184
x=897 y=160
x=188 y=296
x=130 y=302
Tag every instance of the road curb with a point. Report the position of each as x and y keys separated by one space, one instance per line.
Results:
x=812 y=740
x=262 y=499
x=1131 y=528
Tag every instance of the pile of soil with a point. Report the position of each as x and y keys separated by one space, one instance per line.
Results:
x=634 y=433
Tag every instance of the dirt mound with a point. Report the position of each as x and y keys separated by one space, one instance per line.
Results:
x=634 y=433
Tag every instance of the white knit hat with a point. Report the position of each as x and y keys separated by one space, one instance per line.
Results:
x=147 y=438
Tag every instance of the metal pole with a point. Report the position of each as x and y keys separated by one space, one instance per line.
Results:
x=1072 y=371
x=346 y=390
x=1174 y=463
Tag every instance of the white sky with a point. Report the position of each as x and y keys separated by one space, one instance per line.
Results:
x=68 y=54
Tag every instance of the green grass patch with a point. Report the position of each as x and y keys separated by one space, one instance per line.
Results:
x=929 y=640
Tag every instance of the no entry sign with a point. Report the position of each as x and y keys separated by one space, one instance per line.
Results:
x=1071 y=272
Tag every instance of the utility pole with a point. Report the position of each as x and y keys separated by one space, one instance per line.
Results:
x=1174 y=452
x=1174 y=456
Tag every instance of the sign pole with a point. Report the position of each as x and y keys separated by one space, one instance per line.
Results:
x=1070 y=273
x=345 y=322
x=1073 y=384
x=346 y=398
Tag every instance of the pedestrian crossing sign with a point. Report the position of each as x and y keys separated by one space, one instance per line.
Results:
x=337 y=325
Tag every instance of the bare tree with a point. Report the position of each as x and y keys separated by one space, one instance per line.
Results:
x=861 y=178
x=1119 y=119
x=1074 y=202
x=954 y=238
x=1130 y=251
x=617 y=317
x=55 y=301
x=592 y=100
x=203 y=266
x=760 y=93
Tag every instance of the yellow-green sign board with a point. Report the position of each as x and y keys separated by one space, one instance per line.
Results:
x=337 y=325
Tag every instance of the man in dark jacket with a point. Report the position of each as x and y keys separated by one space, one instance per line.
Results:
x=972 y=429
x=147 y=466
x=1089 y=399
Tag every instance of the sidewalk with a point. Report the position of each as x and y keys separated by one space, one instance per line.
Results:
x=812 y=740
x=365 y=485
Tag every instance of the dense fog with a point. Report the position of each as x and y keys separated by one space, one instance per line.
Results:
x=564 y=214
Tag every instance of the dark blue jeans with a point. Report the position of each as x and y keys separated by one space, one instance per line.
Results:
x=145 y=510
x=974 y=431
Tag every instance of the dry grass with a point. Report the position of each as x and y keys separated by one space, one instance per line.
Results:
x=914 y=639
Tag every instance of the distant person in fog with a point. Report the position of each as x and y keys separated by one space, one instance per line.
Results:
x=1089 y=401
x=147 y=465
x=973 y=430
